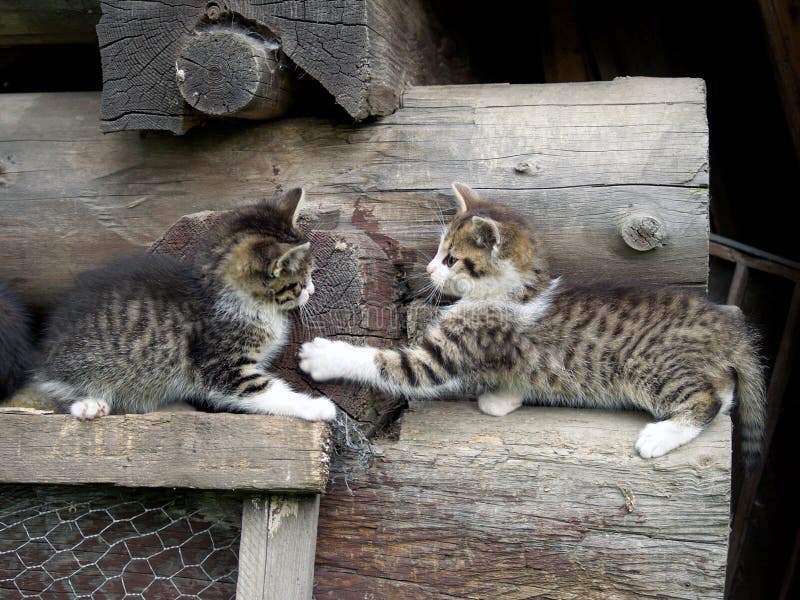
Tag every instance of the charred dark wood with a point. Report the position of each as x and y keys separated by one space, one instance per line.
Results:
x=355 y=301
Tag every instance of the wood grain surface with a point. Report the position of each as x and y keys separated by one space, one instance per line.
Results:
x=191 y=450
x=576 y=159
x=544 y=503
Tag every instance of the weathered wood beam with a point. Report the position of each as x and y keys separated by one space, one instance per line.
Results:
x=364 y=52
x=191 y=450
x=576 y=159
x=551 y=503
x=29 y=22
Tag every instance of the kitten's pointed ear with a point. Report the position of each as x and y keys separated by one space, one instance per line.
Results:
x=466 y=197
x=291 y=202
x=486 y=232
x=292 y=259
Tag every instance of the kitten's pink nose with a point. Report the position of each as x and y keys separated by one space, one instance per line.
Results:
x=429 y=269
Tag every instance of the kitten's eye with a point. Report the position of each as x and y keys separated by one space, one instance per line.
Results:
x=449 y=260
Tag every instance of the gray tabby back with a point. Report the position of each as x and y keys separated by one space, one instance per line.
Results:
x=149 y=330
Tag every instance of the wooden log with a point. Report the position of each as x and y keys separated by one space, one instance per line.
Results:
x=546 y=502
x=28 y=22
x=364 y=52
x=193 y=450
x=228 y=73
x=595 y=152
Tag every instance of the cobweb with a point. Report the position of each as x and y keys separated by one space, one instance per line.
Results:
x=77 y=543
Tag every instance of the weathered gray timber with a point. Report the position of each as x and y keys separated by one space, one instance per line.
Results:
x=276 y=555
x=545 y=503
x=27 y=22
x=576 y=159
x=190 y=450
x=364 y=52
x=231 y=74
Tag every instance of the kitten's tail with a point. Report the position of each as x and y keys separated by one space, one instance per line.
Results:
x=751 y=400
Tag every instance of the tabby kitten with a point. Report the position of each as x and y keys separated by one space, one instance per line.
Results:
x=148 y=330
x=516 y=334
x=16 y=348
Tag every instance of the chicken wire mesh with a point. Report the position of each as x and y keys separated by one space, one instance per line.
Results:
x=99 y=543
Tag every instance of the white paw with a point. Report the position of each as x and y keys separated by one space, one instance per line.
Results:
x=656 y=439
x=319 y=409
x=326 y=359
x=89 y=409
x=499 y=405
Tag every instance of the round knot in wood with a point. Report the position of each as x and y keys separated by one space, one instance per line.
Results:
x=227 y=73
x=642 y=232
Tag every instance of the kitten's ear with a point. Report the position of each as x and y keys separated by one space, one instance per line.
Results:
x=292 y=259
x=291 y=202
x=466 y=197
x=486 y=232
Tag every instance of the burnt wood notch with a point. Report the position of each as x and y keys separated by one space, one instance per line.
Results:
x=171 y=65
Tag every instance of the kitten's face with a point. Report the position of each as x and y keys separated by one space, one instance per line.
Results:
x=483 y=254
x=269 y=259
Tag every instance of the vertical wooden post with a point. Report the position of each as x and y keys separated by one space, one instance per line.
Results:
x=276 y=554
x=738 y=284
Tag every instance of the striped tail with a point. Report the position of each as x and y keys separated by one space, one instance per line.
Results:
x=751 y=400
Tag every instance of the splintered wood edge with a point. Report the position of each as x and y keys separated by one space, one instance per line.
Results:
x=187 y=450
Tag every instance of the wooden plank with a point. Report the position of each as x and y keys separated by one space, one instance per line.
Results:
x=276 y=555
x=253 y=548
x=291 y=547
x=574 y=158
x=546 y=502
x=192 y=450
x=27 y=22
x=738 y=285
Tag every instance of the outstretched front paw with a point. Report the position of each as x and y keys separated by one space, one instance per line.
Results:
x=325 y=359
x=319 y=409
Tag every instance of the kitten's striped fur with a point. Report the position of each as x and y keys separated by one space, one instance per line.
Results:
x=149 y=330
x=516 y=334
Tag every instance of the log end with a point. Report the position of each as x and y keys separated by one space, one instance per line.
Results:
x=228 y=73
x=643 y=232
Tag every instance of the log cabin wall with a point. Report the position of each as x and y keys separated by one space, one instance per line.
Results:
x=750 y=158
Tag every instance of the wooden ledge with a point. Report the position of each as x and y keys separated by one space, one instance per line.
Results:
x=190 y=450
x=545 y=502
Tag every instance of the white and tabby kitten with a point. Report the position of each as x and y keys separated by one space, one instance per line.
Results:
x=516 y=334
x=149 y=330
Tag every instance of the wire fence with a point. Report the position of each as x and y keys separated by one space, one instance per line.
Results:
x=97 y=543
